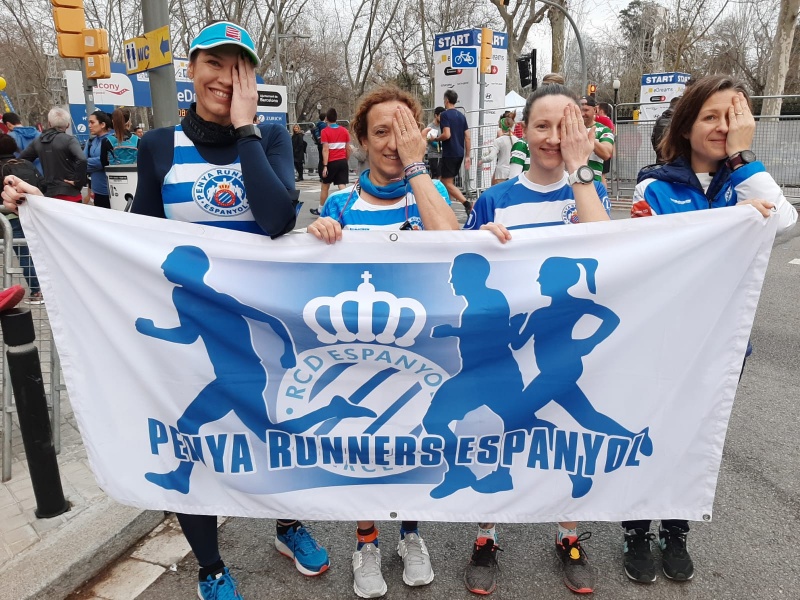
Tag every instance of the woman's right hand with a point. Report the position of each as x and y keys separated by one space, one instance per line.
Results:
x=741 y=126
x=577 y=142
x=14 y=190
x=326 y=229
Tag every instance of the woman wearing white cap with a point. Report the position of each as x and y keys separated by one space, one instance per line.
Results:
x=178 y=167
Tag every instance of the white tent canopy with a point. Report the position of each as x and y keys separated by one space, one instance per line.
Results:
x=513 y=100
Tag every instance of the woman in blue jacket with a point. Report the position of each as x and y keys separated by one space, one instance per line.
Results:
x=709 y=164
x=98 y=149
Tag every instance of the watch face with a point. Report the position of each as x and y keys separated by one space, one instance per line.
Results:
x=748 y=156
x=585 y=174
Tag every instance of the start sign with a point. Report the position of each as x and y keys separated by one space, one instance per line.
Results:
x=148 y=51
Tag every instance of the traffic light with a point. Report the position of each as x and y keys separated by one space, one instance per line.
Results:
x=76 y=41
x=526 y=65
x=591 y=90
x=69 y=21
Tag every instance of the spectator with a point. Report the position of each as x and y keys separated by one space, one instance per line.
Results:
x=335 y=155
x=435 y=147
x=456 y=147
x=557 y=78
x=298 y=151
x=24 y=170
x=604 y=137
x=63 y=161
x=660 y=130
x=316 y=134
x=500 y=150
x=604 y=114
x=22 y=135
x=124 y=144
x=98 y=152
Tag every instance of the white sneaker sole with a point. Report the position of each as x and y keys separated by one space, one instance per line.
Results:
x=362 y=594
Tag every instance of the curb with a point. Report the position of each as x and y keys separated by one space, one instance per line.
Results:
x=64 y=560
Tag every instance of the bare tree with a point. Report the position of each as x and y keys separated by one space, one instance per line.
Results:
x=779 y=66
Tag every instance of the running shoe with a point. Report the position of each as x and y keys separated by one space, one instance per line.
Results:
x=675 y=559
x=639 y=562
x=480 y=576
x=221 y=586
x=314 y=211
x=416 y=560
x=579 y=576
x=36 y=298
x=309 y=557
x=367 y=578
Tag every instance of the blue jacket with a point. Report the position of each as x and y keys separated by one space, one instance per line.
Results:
x=97 y=153
x=24 y=135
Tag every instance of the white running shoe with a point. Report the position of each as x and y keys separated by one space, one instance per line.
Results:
x=367 y=578
x=416 y=560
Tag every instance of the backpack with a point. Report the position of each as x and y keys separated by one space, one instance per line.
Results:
x=125 y=153
x=25 y=170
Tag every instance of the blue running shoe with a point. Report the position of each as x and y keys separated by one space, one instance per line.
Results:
x=219 y=587
x=309 y=557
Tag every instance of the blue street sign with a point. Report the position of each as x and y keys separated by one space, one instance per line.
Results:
x=464 y=57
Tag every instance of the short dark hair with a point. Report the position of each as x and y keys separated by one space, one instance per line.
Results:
x=438 y=110
x=605 y=106
x=11 y=118
x=331 y=116
x=451 y=96
x=675 y=142
x=590 y=100
x=551 y=89
x=7 y=145
x=321 y=116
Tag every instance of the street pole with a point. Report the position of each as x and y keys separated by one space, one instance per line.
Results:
x=277 y=27
x=88 y=89
x=163 y=89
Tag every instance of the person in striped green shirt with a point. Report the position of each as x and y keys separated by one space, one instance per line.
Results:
x=520 y=158
x=603 y=138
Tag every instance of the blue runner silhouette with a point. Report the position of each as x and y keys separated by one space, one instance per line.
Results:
x=559 y=356
x=241 y=378
x=489 y=374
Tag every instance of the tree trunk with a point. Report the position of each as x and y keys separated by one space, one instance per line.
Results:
x=557 y=20
x=779 y=63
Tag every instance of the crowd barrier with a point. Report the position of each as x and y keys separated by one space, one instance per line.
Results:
x=51 y=366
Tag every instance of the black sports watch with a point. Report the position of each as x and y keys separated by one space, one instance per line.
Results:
x=745 y=157
x=247 y=131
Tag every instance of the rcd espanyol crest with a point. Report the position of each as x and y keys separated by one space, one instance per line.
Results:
x=364 y=336
x=570 y=213
x=220 y=192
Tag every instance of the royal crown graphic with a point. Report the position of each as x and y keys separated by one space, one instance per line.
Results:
x=361 y=323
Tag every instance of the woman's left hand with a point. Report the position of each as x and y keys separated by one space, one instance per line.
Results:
x=576 y=142
x=741 y=125
x=244 y=103
x=408 y=139
x=765 y=207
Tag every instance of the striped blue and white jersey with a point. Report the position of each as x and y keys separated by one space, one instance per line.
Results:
x=521 y=204
x=196 y=191
x=354 y=213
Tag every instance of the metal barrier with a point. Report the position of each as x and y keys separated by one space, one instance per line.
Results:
x=776 y=144
x=51 y=366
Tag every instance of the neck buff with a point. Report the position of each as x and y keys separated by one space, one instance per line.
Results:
x=204 y=132
x=393 y=191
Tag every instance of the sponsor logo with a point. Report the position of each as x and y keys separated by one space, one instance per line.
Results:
x=452 y=71
x=687 y=201
x=269 y=98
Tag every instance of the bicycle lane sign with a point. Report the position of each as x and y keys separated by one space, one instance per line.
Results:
x=464 y=57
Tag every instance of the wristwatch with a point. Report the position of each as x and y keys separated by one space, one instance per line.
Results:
x=583 y=174
x=745 y=157
x=247 y=131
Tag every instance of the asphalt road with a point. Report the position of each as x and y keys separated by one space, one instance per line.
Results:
x=748 y=552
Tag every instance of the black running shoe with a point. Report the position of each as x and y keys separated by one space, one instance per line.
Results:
x=579 y=576
x=675 y=559
x=639 y=562
x=480 y=576
x=314 y=211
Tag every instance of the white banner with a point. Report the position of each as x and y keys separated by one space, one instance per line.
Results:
x=583 y=372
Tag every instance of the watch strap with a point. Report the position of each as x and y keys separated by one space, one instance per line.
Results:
x=247 y=131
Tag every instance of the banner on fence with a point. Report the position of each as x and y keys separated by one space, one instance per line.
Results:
x=583 y=372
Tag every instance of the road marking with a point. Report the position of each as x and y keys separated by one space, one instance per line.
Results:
x=795 y=261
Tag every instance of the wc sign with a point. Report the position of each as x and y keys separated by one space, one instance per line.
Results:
x=148 y=51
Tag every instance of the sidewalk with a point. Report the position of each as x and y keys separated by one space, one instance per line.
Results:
x=49 y=558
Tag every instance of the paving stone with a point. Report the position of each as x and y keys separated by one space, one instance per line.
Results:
x=127 y=580
x=25 y=532
x=165 y=549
